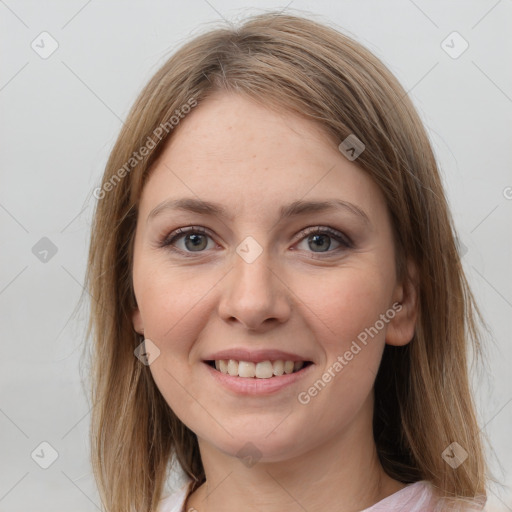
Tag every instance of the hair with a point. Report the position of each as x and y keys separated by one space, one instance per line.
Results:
x=423 y=399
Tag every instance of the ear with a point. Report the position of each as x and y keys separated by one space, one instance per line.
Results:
x=138 y=325
x=401 y=327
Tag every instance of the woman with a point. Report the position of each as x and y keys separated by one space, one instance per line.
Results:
x=279 y=302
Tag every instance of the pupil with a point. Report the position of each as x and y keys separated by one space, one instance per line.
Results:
x=196 y=241
x=324 y=245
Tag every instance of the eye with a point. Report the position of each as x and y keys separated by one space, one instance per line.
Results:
x=320 y=237
x=195 y=239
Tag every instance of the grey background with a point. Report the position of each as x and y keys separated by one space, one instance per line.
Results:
x=60 y=117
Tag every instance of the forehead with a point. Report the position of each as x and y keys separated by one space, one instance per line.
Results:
x=234 y=150
x=243 y=118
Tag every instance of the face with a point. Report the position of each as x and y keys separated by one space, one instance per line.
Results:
x=261 y=276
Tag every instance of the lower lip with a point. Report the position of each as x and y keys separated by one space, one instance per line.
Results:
x=255 y=386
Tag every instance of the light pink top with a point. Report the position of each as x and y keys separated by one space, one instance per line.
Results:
x=417 y=497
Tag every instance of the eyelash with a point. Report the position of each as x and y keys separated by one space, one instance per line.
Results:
x=345 y=242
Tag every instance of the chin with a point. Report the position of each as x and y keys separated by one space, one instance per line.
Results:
x=256 y=445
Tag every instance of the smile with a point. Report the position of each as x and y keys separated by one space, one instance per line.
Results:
x=260 y=370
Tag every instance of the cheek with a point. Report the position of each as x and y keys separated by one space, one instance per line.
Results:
x=344 y=315
x=175 y=306
x=345 y=304
x=170 y=301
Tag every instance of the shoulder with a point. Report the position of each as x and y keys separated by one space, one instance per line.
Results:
x=419 y=497
x=174 y=502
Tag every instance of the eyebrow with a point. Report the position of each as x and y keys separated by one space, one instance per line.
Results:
x=293 y=209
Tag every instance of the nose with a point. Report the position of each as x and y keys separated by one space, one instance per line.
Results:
x=254 y=295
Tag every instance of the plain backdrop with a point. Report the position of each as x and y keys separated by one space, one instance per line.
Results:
x=60 y=115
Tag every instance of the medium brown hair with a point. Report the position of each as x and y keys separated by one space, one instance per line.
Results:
x=423 y=400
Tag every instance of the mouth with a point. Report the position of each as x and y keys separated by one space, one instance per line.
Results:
x=257 y=370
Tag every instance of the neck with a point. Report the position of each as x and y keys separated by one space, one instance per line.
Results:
x=342 y=474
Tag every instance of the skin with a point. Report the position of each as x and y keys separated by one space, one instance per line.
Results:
x=294 y=297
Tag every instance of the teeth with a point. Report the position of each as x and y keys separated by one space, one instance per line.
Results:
x=288 y=366
x=261 y=370
x=233 y=367
x=278 y=367
x=264 y=370
x=246 y=369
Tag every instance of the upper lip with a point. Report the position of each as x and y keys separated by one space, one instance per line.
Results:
x=254 y=356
